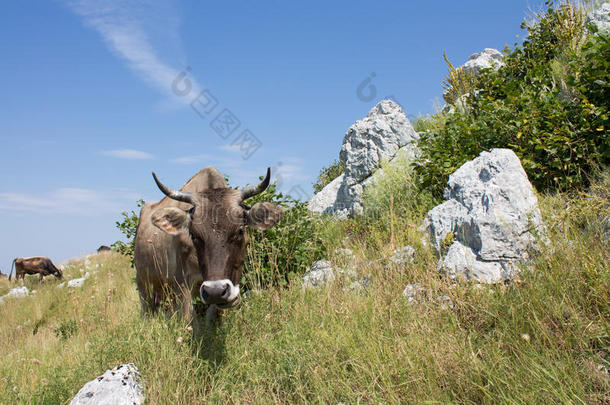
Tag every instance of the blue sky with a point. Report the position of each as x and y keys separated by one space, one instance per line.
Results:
x=93 y=100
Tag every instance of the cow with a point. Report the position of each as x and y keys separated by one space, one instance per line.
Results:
x=103 y=249
x=192 y=243
x=43 y=266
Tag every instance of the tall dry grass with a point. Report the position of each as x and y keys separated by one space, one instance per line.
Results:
x=542 y=340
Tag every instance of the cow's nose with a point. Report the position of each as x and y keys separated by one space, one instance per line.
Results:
x=216 y=292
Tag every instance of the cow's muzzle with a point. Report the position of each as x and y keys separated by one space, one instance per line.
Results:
x=221 y=293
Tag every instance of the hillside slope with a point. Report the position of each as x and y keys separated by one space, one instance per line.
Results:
x=543 y=340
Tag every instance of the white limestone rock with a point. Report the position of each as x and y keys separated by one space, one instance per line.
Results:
x=461 y=262
x=78 y=282
x=359 y=286
x=374 y=138
x=368 y=142
x=486 y=59
x=384 y=134
x=490 y=220
x=324 y=200
x=18 y=292
x=320 y=273
x=403 y=255
x=489 y=58
x=119 y=386
x=600 y=17
x=345 y=254
x=411 y=291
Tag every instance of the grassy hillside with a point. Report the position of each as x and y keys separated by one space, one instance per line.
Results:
x=542 y=340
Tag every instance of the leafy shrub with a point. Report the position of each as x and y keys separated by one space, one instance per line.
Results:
x=396 y=189
x=457 y=83
x=66 y=329
x=393 y=205
x=558 y=128
x=328 y=174
x=128 y=227
x=285 y=250
x=428 y=122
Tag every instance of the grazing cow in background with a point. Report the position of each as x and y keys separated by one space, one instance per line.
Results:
x=192 y=243
x=104 y=248
x=43 y=266
x=2 y=275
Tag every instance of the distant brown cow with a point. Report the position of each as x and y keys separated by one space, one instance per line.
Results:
x=104 y=248
x=43 y=266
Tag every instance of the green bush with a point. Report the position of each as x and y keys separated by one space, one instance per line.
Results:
x=285 y=250
x=428 y=122
x=66 y=329
x=555 y=119
x=328 y=174
x=396 y=190
x=457 y=83
x=393 y=206
x=128 y=227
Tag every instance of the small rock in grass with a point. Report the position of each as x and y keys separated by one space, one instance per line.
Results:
x=412 y=290
x=119 y=386
x=403 y=255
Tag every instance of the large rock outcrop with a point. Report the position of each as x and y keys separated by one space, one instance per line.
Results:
x=119 y=386
x=384 y=134
x=325 y=199
x=490 y=221
x=486 y=59
x=600 y=17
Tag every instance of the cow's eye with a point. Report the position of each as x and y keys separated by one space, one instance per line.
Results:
x=239 y=235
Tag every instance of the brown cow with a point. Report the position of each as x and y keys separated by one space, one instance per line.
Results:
x=193 y=242
x=43 y=266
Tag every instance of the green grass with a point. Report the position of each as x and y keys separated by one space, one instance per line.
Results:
x=540 y=340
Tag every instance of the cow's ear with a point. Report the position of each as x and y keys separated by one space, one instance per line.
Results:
x=264 y=215
x=171 y=220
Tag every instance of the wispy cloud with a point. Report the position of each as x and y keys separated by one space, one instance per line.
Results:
x=291 y=170
x=233 y=148
x=130 y=154
x=207 y=159
x=190 y=160
x=78 y=201
x=127 y=28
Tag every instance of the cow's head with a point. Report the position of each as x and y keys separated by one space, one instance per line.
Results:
x=58 y=272
x=216 y=225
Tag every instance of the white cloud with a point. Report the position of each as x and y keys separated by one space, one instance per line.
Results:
x=190 y=160
x=220 y=161
x=130 y=154
x=127 y=28
x=78 y=201
x=291 y=170
x=230 y=148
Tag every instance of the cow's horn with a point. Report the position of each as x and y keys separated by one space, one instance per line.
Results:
x=251 y=191
x=173 y=194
